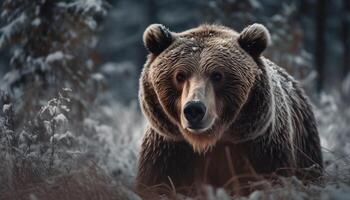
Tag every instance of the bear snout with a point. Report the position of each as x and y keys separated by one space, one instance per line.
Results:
x=197 y=117
x=194 y=112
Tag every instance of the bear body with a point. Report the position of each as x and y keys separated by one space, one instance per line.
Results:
x=217 y=109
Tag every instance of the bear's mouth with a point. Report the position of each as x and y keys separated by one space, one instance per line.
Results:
x=200 y=128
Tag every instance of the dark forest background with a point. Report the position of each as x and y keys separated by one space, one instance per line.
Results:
x=308 y=34
x=311 y=34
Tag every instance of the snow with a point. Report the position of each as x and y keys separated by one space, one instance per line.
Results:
x=67 y=89
x=9 y=78
x=255 y=4
x=60 y=118
x=89 y=64
x=10 y=29
x=195 y=49
x=117 y=68
x=91 y=23
x=56 y=56
x=66 y=135
x=347 y=148
x=90 y=123
x=6 y=108
x=256 y=195
x=86 y=6
x=98 y=76
x=36 y=22
x=337 y=191
x=65 y=108
x=346 y=85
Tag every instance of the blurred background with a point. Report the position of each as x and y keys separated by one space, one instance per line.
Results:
x=69 y=73
x=311 y=35
x=307 y=35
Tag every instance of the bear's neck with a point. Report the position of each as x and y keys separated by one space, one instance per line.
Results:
x=257 y=115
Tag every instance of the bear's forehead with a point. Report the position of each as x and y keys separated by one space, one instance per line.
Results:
x=202 y=45
x=207 y=36
x=191 y=56
x=207 y=31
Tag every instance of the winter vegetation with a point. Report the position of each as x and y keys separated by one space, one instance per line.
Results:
x=70 y=123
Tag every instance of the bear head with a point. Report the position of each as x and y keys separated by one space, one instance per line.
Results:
x=195 y=83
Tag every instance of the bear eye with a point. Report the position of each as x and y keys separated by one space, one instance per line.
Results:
x=216 y=76
x=181 y=77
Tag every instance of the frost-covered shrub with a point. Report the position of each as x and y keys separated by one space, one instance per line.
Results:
x=7 y=136
x=48 y=137
x=333 y=117
x=51 y=43
x=112 y=137
x=44 y=146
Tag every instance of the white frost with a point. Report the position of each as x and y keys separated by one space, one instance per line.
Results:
x=61 y=119
x=10 y=29
x=36 y=22
x=98 y=76
x=6 y=108
x=56 y=56
x=194 y=48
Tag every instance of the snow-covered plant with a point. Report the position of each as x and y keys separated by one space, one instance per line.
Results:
x=44 y=146
x=111 y=137
x=7 y=139
x=48 y=137
x=6 y=122
x=51 y=44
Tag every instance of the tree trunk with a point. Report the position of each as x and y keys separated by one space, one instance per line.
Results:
x=345 y=38
x=151 y=11
x=320 y=41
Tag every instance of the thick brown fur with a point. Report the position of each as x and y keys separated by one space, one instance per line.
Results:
x=264 y=122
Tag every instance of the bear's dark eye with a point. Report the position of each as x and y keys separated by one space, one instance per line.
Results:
x=216 y=76
x=181 y=77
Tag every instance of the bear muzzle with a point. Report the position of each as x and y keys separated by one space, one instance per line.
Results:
x=196 y=117
x=198 y=105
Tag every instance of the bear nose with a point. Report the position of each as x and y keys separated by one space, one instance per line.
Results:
x=194 y=112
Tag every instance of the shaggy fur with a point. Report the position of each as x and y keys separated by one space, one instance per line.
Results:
x=254 y=39
x=157 y=38
x=264 y=120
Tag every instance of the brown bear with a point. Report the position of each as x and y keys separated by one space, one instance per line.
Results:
x=217 y=109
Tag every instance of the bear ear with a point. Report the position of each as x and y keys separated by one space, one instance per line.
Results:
x=157 y=38
x=254 y=39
